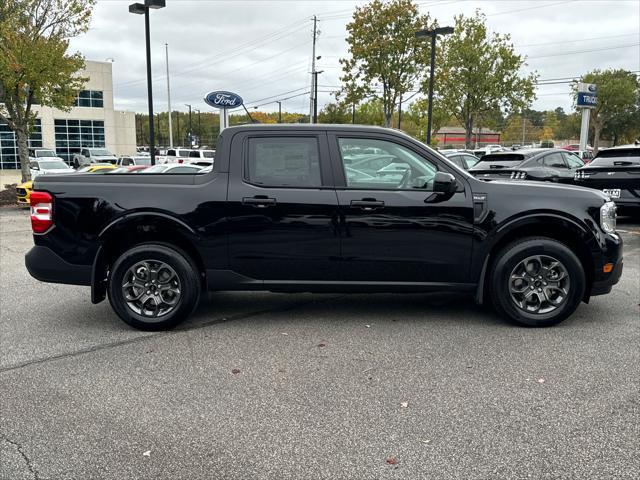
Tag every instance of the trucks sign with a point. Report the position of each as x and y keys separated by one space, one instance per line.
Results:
x=223 y=100
x=587 y=95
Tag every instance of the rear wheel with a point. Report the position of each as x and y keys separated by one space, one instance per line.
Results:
x=537 y=282
x=153 y=287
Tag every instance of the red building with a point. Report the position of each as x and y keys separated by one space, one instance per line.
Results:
x=455 y=137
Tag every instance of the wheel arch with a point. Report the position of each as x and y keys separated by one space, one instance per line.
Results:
x=137 y=228
x=562 y=228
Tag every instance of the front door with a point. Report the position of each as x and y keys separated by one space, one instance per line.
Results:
x=282 y=207
x=394 y=227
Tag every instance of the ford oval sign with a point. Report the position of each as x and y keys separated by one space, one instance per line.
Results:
x=224 y=100
x=592 y=88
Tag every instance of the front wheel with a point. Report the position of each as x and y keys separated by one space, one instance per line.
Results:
x=537 y=282
x=153 y=287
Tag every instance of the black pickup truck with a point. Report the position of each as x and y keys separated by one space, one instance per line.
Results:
x=323 y=208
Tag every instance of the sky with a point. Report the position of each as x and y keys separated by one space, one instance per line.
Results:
x=261 y=49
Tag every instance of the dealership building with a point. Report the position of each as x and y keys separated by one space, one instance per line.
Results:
x=92 y=122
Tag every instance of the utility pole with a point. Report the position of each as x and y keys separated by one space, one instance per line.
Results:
x=159 y=129
x=353 y=113
x=190 y=126
x=279 y=102
x=313 y=68
x=524 y=126
x=178 y=130
x=166 y=49
x=400 y=112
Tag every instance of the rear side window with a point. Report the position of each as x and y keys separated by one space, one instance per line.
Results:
x=622 y=157
x=284 y=162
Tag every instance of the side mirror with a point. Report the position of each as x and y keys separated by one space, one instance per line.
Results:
x=444 y=183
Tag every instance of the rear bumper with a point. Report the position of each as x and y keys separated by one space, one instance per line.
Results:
x=45 y=265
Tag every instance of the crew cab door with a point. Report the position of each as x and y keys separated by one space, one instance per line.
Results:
x=394 y=227
x=282 y=207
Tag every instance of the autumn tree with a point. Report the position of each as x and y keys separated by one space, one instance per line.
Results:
x=479 y=72
x=34 y=64
x=386 y=60
x=618 y=92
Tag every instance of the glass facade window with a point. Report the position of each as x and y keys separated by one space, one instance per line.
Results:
x=9 y=146
x=72 y=135
x=90 y=98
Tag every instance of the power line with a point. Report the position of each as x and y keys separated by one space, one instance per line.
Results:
x=584 y=51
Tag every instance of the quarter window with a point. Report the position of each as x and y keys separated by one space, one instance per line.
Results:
x=554 y=160
x=284 y=162
x=390 y=167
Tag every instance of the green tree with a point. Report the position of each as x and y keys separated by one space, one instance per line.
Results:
x=479 y=72
x=34 y=64
x=618 y=92
x=386 y=60
x=335 y=113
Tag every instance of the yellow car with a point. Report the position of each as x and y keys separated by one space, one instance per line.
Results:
x=96 y=168
x=23 y=192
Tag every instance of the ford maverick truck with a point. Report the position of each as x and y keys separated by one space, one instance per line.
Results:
x=323 y=208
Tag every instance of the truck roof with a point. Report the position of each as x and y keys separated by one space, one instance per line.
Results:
x=312 y=126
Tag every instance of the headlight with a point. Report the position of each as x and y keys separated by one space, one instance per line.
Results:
x=608 y=217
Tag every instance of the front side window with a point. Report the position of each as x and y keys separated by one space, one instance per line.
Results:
x=554 y=160
x=284 y=162
x=392 y=167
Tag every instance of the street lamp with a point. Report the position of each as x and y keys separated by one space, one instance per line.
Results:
x=315 y=95
x=199 y=128
x=190 y=127
x=433 y=34
x=140 y=9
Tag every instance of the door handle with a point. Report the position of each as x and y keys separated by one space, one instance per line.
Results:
x=259 y=202
x=367 y=204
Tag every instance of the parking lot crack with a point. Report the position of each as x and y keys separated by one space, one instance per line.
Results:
x=21 y=451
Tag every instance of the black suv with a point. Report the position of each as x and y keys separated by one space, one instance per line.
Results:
x=323 y=208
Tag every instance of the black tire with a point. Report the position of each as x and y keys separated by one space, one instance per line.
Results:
x=182 y=267
x=512 y=257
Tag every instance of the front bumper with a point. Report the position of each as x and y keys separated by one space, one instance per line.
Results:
x=612 y=254
x=22 y=196
x=45 y=265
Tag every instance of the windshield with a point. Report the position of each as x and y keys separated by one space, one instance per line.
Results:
x=208 y=154
x=52 y=165
x=183 y=153
x=619 y=157
x=45 y=153
x=497 y=161
x=100 y=152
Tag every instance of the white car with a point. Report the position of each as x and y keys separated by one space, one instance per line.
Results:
x=172 y=168
x=132 y=160
x=202 y=157
x=89 y=156
x=49 y=166
x=43 y=153
x=175 y=155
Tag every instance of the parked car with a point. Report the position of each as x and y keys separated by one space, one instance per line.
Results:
x=23 y=192
x=203 y=158
x=36 y=154
x=278 y=212
x=173 y=168
x=131 y=160
x=49 y=166
x=574 y=147
x=127 y=169
x=175 y=155
x=543 y=164
x=460 y=158
x=615 y=171
x=89 y=156
x=96 y=168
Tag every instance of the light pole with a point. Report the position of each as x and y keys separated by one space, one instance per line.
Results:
x=139 y=9
x=190 y=127
x=315 y=95
x=199 y=128
x=433 y=34
x=166 y=51
x=279 y=102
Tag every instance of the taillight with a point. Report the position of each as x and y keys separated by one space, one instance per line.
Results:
x=41 y=211
x=180 y=160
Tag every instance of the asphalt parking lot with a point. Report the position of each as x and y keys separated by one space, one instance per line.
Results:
x=261 y=385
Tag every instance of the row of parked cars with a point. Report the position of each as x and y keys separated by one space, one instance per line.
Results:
x=44 y=161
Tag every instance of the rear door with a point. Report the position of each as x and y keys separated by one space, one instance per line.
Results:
x=394 y=228
x=282 y=207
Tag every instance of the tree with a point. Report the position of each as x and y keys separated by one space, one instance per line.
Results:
x=335 y=113
x=479 y=72
x=34 y=65
x=386 y=58
x=618 y=92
